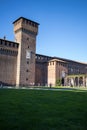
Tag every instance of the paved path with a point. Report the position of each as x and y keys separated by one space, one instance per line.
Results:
x=45 y=88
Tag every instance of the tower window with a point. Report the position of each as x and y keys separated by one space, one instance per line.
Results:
x=26 y=21
x=27 y=62
x=9 y=44
x=13 y=44
x=27 y=70
x=17 y=45
x=1 y=42
x=6 y=43
x=26 y=79
x=28 y=38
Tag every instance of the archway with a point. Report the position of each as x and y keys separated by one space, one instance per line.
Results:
x=76 y=81
x=80 y=81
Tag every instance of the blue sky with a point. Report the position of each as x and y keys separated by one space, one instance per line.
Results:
x=62 y=29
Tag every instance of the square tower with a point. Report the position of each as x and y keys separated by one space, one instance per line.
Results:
x=25 y=34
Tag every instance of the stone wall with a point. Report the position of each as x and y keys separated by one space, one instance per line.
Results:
x=8 y=69
x=41 y=74
x=8 y=61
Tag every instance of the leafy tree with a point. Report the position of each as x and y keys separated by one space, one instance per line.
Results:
x=58 y=82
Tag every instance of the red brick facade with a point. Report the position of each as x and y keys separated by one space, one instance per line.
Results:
x=21 y=66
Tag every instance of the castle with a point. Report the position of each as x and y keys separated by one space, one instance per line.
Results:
x=21 y=66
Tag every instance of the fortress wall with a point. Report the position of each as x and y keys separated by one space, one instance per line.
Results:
x=41 y=73
x=8 y=69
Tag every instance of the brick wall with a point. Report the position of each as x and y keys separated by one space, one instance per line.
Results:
x=8 y=69
x=41 y=74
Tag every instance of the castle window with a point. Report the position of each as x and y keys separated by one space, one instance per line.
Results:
x=35 y=25
x=3 y=42
x=30 y=23
x=23 y=20
x=27 y=62
x=6 y=43
x=27 y=70
x=13 y=44
x=28 y=46
x=26 y=21
x=17 y=45
x=9 y=44
x=0 y=42
x=28 y=38
x=26 y=79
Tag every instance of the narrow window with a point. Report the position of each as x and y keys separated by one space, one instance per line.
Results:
x=27 y=70
x=26 y=79
x=27 y=62
x=28 y=38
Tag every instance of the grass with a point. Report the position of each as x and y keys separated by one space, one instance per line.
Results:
x=24 y=109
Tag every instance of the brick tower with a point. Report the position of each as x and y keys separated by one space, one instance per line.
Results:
x=25 y=34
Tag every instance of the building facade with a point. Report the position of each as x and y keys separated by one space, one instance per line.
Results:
x=21 y=66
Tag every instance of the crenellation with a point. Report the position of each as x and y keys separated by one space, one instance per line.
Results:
x=21 y=66
x=9 y=44
x=26 y=25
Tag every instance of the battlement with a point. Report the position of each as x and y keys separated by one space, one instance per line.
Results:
x=8 y=47
x=26 y=25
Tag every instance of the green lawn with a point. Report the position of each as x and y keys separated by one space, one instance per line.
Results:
x=24 y=109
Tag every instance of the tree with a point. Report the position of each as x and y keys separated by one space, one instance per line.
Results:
x=58 y=82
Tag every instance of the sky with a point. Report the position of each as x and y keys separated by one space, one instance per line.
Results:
x=63 y=25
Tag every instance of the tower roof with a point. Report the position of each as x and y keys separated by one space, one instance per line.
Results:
x=25 y=19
